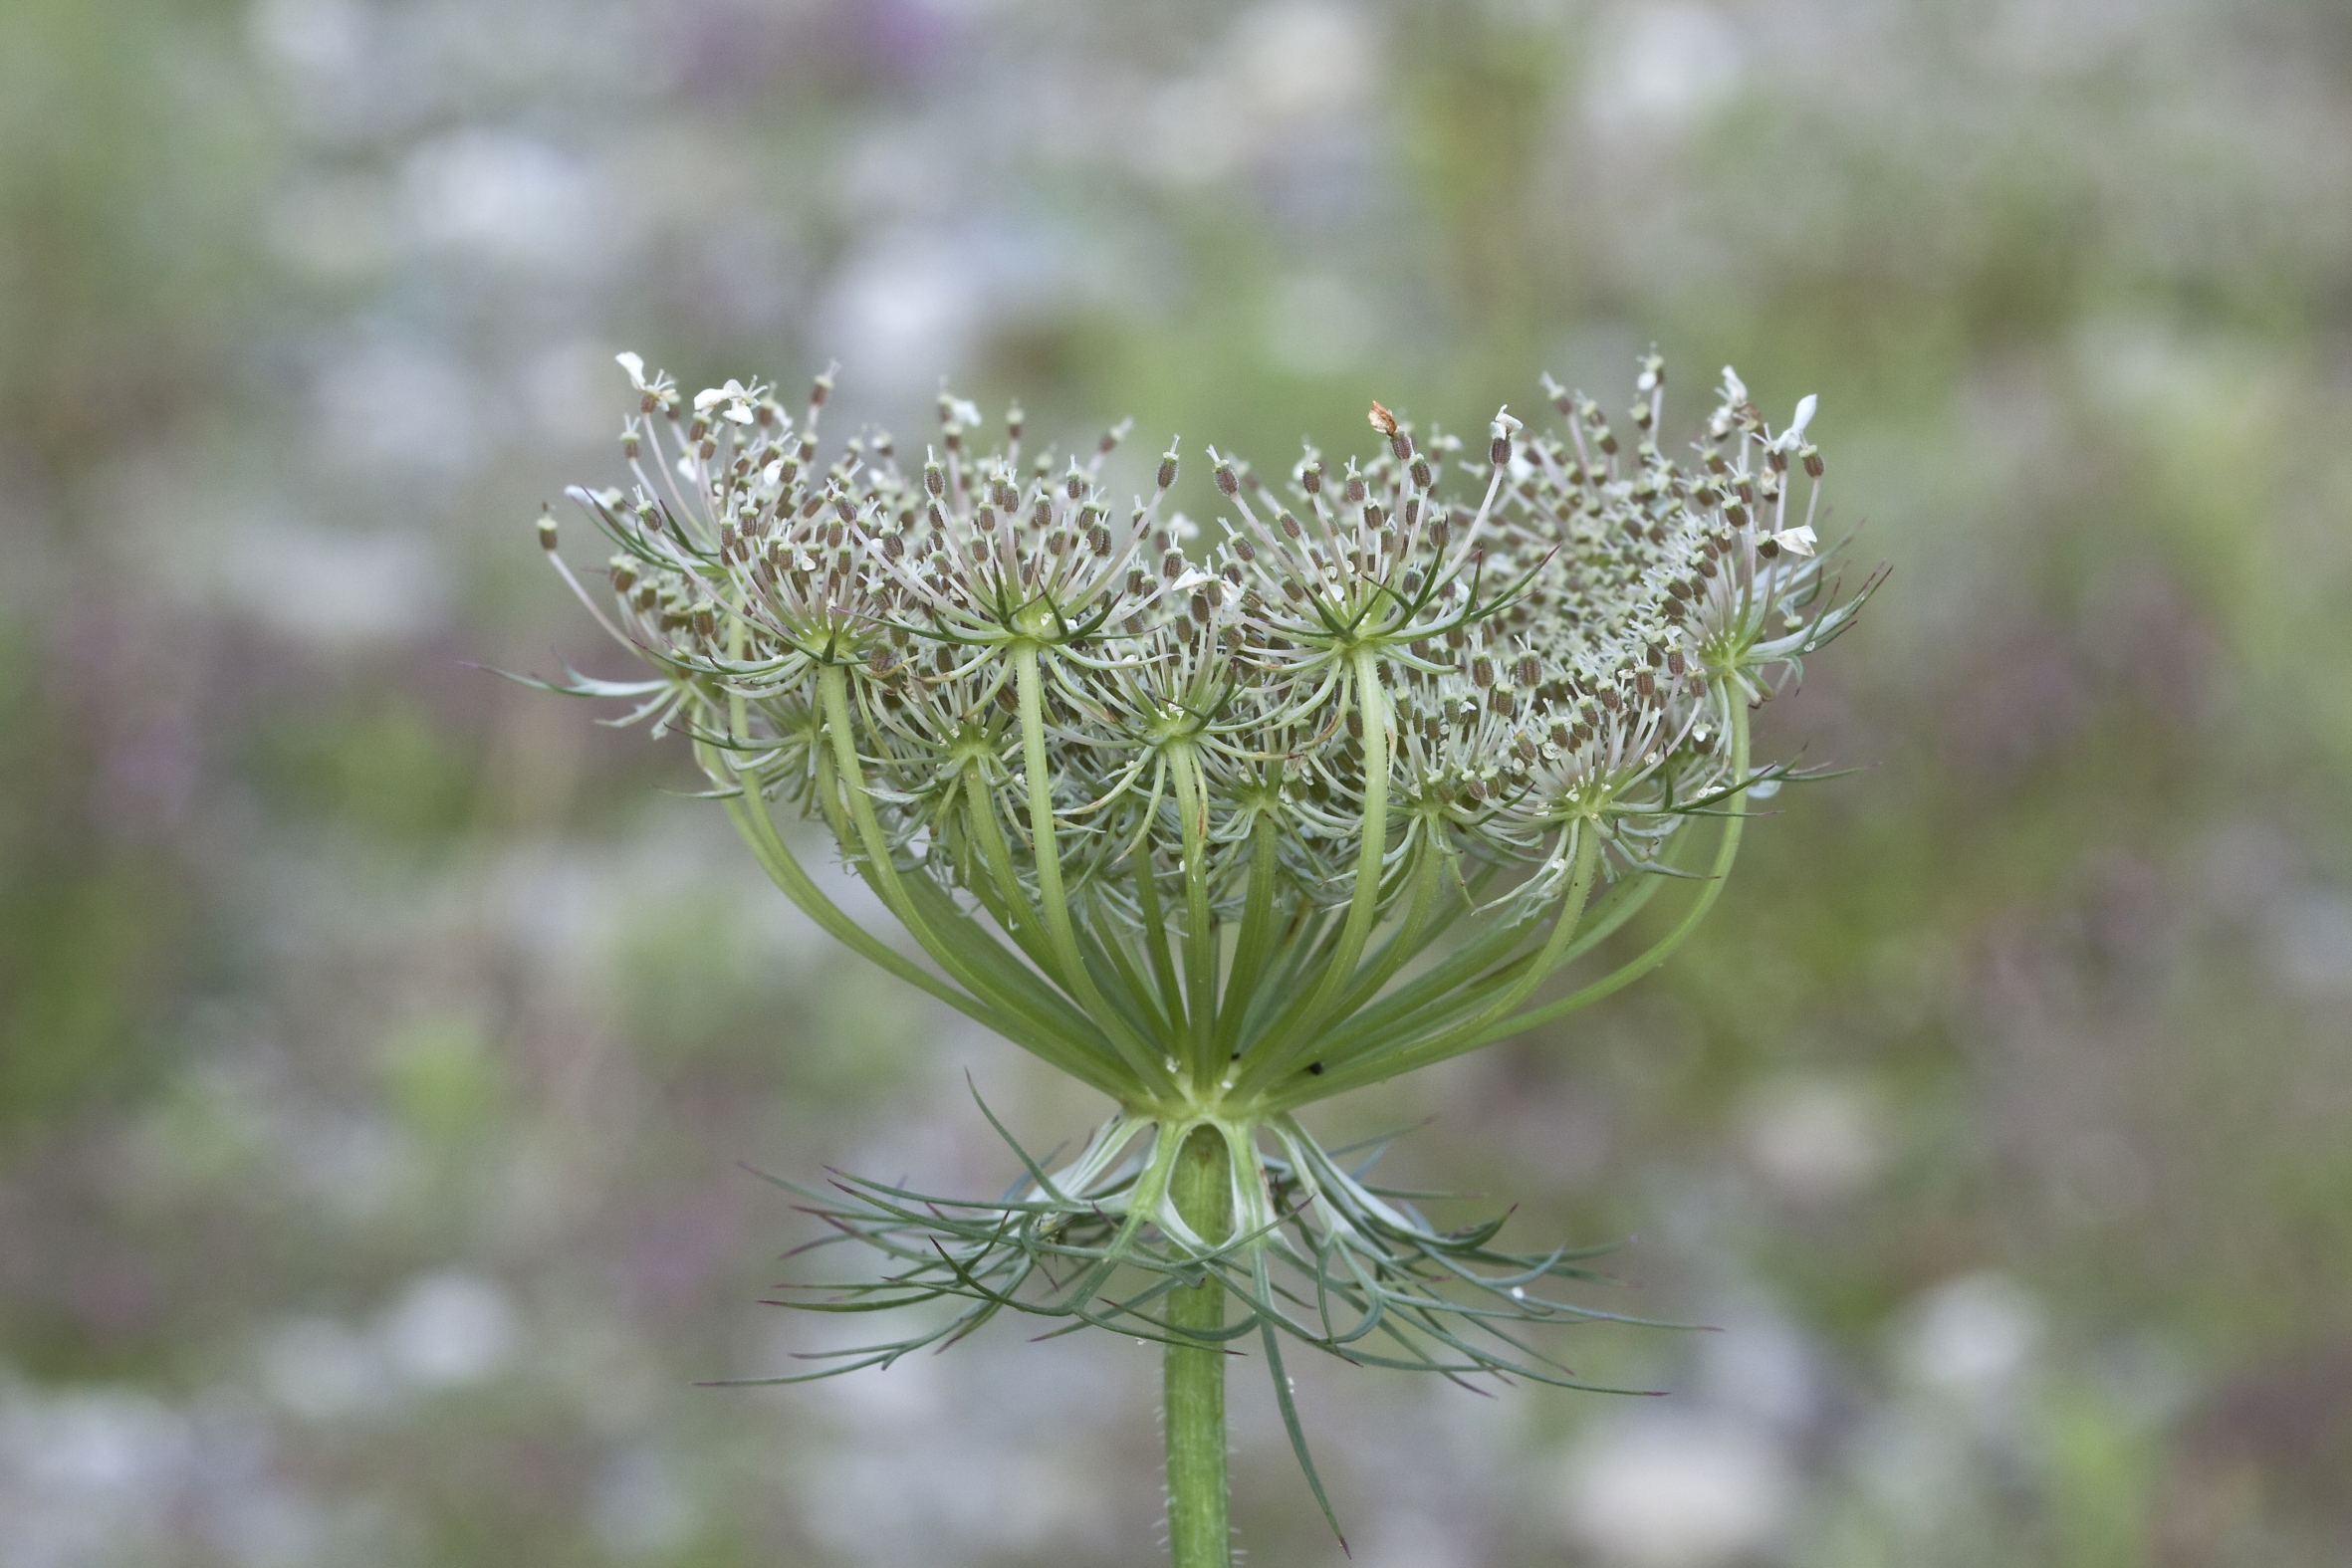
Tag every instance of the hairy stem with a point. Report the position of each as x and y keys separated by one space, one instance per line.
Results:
x=1201 y=1187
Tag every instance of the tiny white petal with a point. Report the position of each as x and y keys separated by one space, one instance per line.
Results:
x=1796 y=541
x=773 y=472
x=1192 y=578
x=1797 y=426
x=1734 y=390
x=634 y=365
x=705 y=399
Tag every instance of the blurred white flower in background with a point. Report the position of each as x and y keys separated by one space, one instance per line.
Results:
x=1285 y=71
x=1676 y=1489
x=503 y=197
x=1972 y=1337
x=1662 y=66
x=1813 y=1137
x=450 y=1330
x=2310 y=944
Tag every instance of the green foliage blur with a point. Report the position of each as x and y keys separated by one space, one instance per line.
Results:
x=379 y=1041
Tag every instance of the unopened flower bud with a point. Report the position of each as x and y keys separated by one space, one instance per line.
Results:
x=546 y=530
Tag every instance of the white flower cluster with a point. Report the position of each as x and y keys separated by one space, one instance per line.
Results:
x=1485 y=675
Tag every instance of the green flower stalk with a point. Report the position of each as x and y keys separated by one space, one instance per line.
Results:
x=1223 y=822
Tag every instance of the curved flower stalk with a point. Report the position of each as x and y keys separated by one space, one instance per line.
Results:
x=1224 y=821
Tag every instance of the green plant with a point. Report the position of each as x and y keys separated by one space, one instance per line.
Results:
x=1222 y=825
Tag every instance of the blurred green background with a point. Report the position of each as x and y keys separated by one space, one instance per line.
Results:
x=379 y=1040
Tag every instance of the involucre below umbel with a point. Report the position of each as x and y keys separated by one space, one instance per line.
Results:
x=1222 y=822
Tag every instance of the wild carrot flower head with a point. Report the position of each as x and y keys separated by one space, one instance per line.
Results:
x=1066 y=710
x=1225 y=819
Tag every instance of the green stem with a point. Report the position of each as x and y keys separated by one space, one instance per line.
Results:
x=1199 y=1535
x=1296 y=1032
x=1454 y=1042
x=1074 y=975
